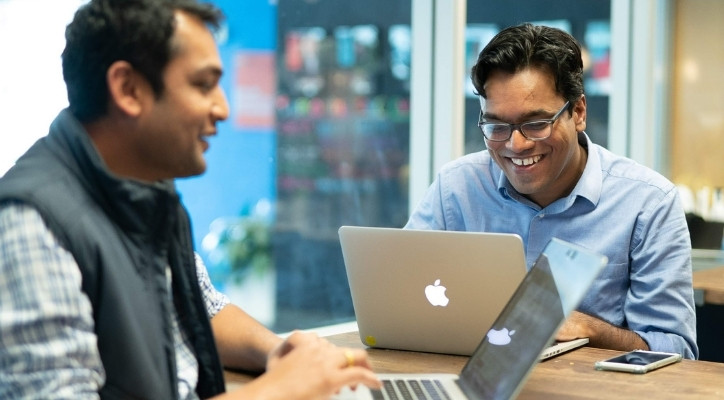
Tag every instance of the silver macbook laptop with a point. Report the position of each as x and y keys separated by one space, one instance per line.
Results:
x=431 y=291
x=557 y=348
x=499 y=367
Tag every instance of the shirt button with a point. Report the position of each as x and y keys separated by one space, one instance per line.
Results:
x=541 y=216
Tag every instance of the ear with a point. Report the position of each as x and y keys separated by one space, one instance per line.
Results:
x=126 y=88
x=579 y=114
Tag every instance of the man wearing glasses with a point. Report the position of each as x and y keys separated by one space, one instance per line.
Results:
x=542 y=177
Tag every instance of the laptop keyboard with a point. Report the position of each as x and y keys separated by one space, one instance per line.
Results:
x=403 y=389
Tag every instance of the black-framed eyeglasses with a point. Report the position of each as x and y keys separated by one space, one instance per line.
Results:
x=532 y=130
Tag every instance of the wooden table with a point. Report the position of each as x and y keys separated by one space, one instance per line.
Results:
x=711 y=283
x=709 y=296
x=568 y=376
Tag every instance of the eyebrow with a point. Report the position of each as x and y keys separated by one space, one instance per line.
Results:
x=214 y=70
x=528 y=116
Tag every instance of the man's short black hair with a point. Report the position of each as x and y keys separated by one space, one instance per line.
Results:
x=526 y=45
x=105 y=31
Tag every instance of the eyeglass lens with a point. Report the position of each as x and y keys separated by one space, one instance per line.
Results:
x=534 y=130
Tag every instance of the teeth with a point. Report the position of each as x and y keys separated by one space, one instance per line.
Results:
x=525 y=161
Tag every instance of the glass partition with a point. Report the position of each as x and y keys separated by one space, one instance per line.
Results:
x=317 y=138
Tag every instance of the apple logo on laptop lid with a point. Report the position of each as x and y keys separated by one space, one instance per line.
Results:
x=435 y=294
x=500 y=337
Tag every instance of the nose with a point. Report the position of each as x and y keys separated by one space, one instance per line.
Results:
x=518 y=142
x=220 y=106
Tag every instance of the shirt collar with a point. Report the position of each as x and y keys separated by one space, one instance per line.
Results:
x=588 y=186
x=590 y=183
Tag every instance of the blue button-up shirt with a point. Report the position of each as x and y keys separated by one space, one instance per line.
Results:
x=618 y=208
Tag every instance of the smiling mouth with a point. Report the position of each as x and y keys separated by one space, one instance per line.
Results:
x=525 y=161
x=204 y=142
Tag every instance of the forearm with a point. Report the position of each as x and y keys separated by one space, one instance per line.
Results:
x=607 y=336
x=600 y=333
x=242 y=341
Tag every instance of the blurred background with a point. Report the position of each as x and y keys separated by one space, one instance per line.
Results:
x=341 y=112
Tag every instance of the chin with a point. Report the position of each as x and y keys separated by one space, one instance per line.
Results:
x=199 y=171
x=192 y=171
x=525 y=188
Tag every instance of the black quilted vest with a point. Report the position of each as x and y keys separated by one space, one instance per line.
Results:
x=122 y=234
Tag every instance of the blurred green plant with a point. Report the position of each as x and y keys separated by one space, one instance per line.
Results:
x=247 y=244
x=239 y=246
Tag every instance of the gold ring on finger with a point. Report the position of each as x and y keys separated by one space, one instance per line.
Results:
x=350 y=357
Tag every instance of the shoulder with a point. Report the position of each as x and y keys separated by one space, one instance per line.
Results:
x=16 y=218
x=473 y=163
x=471 y=172
x=29 y=244
x=627 y=174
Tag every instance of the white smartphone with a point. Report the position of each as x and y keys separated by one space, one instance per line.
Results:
x=638 y=361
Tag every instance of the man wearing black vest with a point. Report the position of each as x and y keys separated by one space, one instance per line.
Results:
x=100 y=292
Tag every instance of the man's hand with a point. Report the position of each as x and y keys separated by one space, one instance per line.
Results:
x=577 y=326
x=599 y=333
x=306 y=366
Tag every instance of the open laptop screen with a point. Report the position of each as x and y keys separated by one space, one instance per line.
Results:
x=550 y=291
